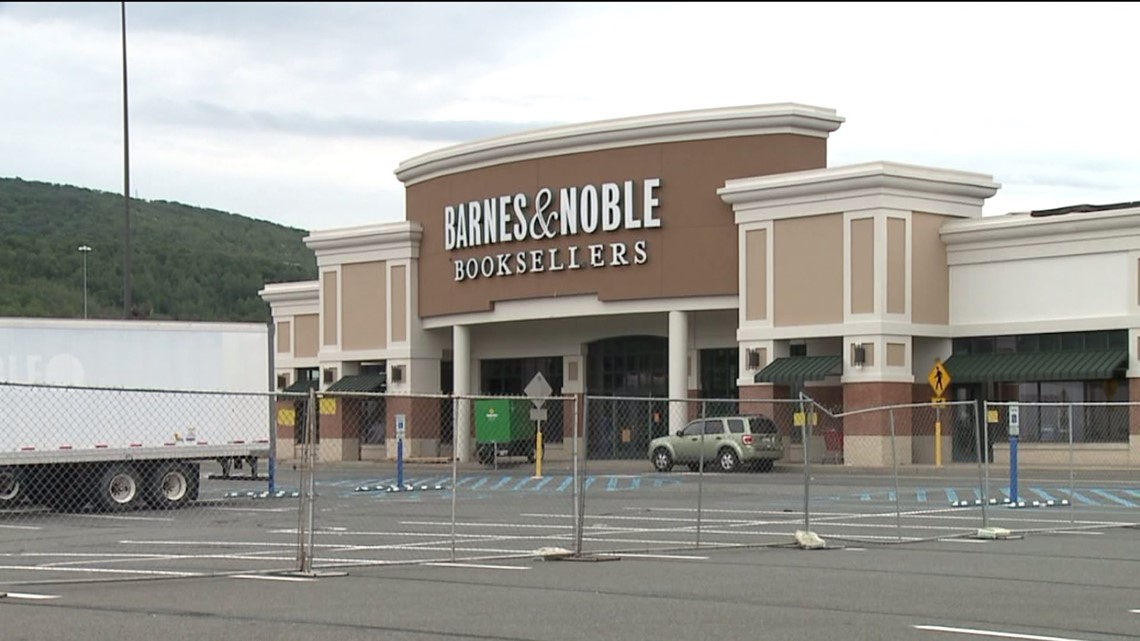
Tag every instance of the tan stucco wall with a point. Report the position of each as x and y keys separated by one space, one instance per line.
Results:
x=305 y=343
x=756 y=279
x=896 y=265
x=863 y=266
x=284 y=336
x=807 y=270
x=329 y=307
x=365 y=289
x=399 y=303
x=930 y=276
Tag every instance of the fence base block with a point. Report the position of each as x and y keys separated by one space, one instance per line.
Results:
x=993 y=533
x=809 y=540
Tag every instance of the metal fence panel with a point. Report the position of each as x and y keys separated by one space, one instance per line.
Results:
x=895 y=483
x=136 y=483
x=1060 y=466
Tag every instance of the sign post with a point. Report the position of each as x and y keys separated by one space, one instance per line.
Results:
x=538 y=390
x=939 y=379
x=1014 y=434
x=401 y=424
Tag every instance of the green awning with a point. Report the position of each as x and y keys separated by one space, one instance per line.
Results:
x=796 y=369
x=301 y=387
x=1037 y=366
x=360 y=383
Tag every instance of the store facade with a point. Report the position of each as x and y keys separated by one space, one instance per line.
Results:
x=704 y=254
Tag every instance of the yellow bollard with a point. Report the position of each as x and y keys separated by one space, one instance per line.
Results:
x=937 y=437
x=538 y=455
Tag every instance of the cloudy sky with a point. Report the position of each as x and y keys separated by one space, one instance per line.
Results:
x=299 y=113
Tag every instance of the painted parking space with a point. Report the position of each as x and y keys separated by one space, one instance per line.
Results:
x=1043 y=495
x=500 y=483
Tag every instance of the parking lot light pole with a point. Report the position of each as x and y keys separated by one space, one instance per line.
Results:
x=84 y=249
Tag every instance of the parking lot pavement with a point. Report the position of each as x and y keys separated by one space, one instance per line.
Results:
x=1074 y=587
x=440 y=515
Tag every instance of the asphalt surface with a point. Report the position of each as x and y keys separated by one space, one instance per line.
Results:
x=481 y=553
x=1046 y=587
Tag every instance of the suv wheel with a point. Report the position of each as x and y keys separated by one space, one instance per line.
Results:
x=728 y=460
x=662 y=460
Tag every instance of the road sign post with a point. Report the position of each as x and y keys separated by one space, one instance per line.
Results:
x=939 y=379
x=401 y=423
x=1014 y=434
x=538 y=390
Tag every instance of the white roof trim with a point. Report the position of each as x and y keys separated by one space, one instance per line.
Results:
x=1025 y=226
x=857 y=180
x=300 y=291
x=753 y=120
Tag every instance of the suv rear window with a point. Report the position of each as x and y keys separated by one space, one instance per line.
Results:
x=762 y=425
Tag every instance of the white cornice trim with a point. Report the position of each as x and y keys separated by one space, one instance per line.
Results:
x=848 y=187
x=998 y=229
x=295 y=292
x=365 y=236
x=399 y=240
x=577 y=306
x=751 y=120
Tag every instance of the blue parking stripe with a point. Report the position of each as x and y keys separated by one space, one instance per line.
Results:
x=635 y=483
x=1042 y=493
x=1111 y=497
x=520 y=484
x=1077 y=496
x=865 y=497
x=920 y=495
x=612 y=485
x=478 y=484
x=1133 y=493
x=503 y=481
x=565 y=483
x=589 y=481
x=951 y=495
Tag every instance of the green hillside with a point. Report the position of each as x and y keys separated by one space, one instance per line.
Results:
x=187 y=263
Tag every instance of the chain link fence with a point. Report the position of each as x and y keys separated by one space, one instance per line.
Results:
x=1071 y=460
x=142 y=483
x=146 y=480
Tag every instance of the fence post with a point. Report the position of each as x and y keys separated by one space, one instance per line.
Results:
x=700 y=473
x=272 y=462
x=1072 y=468
x=895 y=472
x=983 y=473
x=455 y=454
x=305 y=514
x=805 y=436
x=579 y=482
x=577 y=435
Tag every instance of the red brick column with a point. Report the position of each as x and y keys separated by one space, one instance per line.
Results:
x=286 y=418
x=423 y=424
x=867 y=435
x=571 y=426
x=1134 y=410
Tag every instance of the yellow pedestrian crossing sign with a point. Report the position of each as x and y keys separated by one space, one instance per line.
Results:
x=939 y=379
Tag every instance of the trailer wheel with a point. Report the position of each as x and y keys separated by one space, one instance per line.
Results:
x=11 y=488
x=172 y=485
x=120 y=488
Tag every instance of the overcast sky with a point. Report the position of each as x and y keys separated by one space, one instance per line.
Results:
x=299 y=113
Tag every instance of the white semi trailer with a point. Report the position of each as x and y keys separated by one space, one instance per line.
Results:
x=121 y=414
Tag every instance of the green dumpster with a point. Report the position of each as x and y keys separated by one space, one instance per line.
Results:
x=503 y=427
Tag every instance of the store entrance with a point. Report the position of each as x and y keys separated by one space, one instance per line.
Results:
x=632 y=371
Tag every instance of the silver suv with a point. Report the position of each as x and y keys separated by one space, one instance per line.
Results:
x=725 y=444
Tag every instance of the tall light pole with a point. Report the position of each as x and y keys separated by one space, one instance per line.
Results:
x=84 y=249
x=126 y=178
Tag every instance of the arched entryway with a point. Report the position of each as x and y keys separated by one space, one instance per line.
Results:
x=631 y=370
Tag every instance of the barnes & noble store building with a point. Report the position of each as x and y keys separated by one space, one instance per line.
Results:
x=710 y=254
